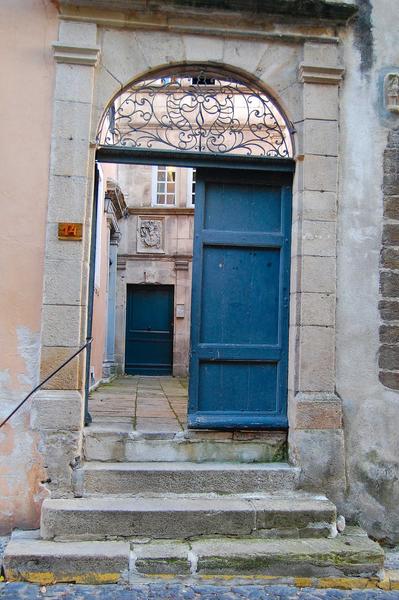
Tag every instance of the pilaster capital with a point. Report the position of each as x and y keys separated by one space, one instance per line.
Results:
x=76 y=54
x=320 y=74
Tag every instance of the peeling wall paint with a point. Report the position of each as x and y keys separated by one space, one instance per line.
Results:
x=27 y=28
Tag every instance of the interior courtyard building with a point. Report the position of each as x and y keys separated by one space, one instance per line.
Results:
x=211 y=290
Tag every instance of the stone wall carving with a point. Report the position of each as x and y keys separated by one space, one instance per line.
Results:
x=392 y=92
x=150 y=236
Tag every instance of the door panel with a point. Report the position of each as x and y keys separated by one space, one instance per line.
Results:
x=149 y=330
x=239 y=327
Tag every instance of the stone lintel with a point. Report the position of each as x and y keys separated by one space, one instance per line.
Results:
x=318 y=74
x=76 y=55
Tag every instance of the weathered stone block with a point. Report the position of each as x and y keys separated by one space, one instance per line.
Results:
x=184 y=478
x=318 y=238
x=389 y=310
x=61 y=451
x=116 y=43
x=316 y=359
x=391 y=207
x=318 y=137
x=162 y=48
x=74 y=83
x=389 y=283
x=320 y=173
x=389 y=334
x=162 y=557
x=67 y=198
x=319 y=206
x=203 y=49
x=62 y=282
x=61 y=325
x=320 y=470
x=317 y=309
x=390 y=234
x=390 y=258
x=47 y=563
x=315 y=414
x=318 y=274
x=243 y=54
x=389 y=379
x=343 y=555
x=57 y=410
x=72 y=120
x=77 y=33
x=69 y=157
x=69 y=377
x=320 y=54
x=389 y=357
x=320 y=101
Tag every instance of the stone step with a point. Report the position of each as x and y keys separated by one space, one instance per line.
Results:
x=187 y=516
x=348 y=555
x=99 y=478
x=42 y=562
x=102 y=443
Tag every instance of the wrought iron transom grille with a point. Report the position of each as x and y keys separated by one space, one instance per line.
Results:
x=196 y=110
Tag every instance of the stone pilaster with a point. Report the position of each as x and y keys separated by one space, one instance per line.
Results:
x=66 y=264
x=315 y=413
x=58 y=410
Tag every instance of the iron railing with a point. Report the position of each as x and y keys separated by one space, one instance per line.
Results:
x=86 y=345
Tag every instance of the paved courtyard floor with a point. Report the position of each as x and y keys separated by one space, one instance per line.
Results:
x=172 y=591
x=157 y=404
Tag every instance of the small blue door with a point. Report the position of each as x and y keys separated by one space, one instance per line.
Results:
x=240 y=298
x=149 y=330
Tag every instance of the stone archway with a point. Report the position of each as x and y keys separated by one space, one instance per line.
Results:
x=90 y=73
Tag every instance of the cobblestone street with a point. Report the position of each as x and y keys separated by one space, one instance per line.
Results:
x=173 y=591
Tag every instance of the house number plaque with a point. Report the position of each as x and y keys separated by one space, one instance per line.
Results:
x=70 y=231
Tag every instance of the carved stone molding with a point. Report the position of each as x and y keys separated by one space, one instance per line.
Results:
x=319 y=74
x=76 y=55
x=181 y=265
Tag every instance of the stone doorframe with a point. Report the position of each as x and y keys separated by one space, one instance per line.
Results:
x=94 y=60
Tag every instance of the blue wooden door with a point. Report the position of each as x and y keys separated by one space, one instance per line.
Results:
x=149 y=330
x=240 y=299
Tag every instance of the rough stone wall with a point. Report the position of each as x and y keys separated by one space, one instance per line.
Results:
x=389 y=267
x=370 y=408
x=27 y=28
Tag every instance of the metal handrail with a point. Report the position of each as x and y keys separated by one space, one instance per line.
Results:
x=88 y=342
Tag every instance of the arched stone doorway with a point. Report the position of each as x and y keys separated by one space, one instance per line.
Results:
x=306 y=75
x=203 y=116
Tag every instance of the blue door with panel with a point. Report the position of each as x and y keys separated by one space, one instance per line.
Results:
x=240 y=300
x=149 y=330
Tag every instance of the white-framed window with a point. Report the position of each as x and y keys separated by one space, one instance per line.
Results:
x=163 y=185
x=191 y=178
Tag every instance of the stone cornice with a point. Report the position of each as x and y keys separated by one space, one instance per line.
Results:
x=156 y=210
x=319 y=74
x=76 y=55
x=326 y=10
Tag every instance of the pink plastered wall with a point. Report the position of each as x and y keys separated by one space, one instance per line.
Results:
x=27 y=28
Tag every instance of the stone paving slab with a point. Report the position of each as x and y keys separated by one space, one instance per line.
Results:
x=181 y=591
x=150 y=403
